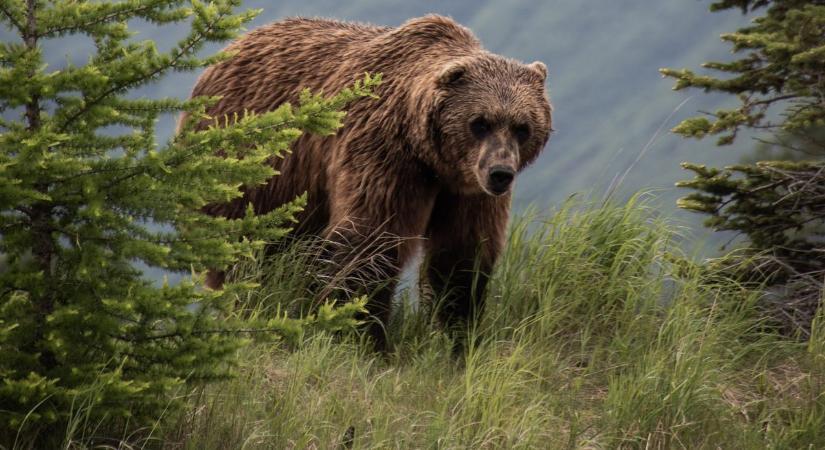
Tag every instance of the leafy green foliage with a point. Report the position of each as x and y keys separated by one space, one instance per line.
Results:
x=86 y=192
x=784 y=61
x=778 y=205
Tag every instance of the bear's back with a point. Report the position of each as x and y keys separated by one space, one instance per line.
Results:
x=273 y=63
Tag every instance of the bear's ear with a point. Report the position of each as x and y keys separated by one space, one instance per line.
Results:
x=540 y=68
x=451 y=74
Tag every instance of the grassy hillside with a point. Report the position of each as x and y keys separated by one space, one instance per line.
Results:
x=596 y=337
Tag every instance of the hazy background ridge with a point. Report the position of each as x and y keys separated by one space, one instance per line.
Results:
x=602 y=56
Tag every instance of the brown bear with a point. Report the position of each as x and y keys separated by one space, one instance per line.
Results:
x=431 y=161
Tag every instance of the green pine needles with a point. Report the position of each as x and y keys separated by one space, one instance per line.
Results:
x=82 y=330
x=779 y=204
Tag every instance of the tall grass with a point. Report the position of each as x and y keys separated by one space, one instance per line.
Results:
x=594 y=337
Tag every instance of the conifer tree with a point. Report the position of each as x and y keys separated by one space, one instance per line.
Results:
x=779 y=205
x=86 y=192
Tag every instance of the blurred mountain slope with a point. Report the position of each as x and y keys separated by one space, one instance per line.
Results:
x=603 y=58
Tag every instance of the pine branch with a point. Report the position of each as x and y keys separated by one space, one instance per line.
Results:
x=13 y=20
x=77 y=205
x=122 y=14
x=147 y=76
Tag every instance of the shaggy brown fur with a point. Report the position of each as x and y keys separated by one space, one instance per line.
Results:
x=429 y=162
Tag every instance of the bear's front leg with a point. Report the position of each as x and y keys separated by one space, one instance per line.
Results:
x=363 y=258
x=376 y=226
x=465 y=236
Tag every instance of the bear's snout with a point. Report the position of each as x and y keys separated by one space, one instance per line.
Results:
x=500 y=178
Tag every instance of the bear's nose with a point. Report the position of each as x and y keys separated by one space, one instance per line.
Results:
x=500 y=179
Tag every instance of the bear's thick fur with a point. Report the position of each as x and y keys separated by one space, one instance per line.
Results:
x=431 y=161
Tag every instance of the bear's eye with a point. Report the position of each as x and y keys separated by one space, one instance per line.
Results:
x=522 y=132
x=480 y=127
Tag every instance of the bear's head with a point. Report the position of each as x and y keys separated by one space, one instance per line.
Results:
x=490 y=118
